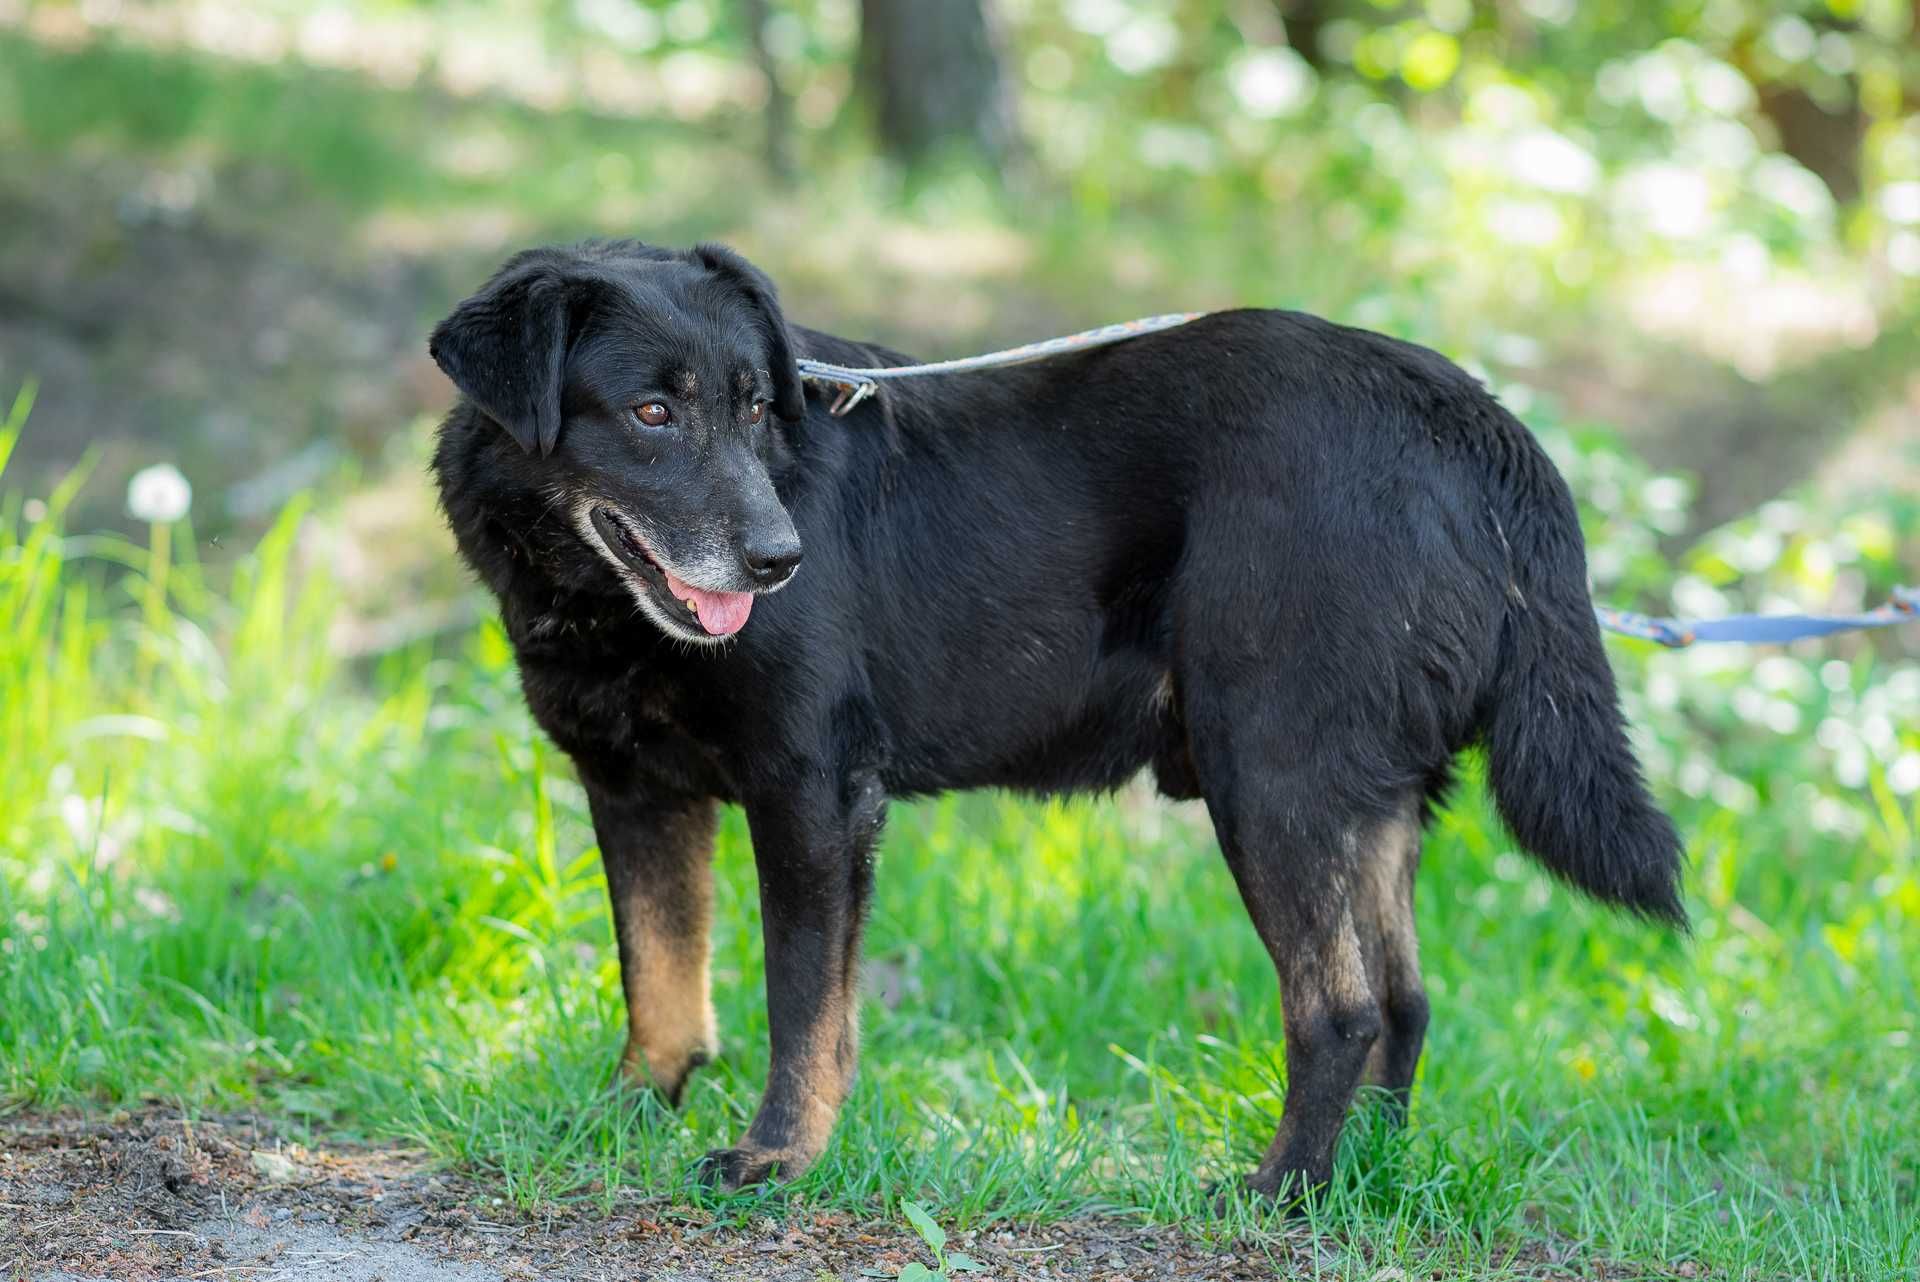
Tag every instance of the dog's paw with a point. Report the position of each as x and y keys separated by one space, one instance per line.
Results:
x=629 y=1080
x=728 y=1169
x=1284 y=1189
x=668 y=1086
x=1222 y=1196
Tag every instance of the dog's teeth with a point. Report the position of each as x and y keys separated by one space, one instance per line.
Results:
x=693 y=607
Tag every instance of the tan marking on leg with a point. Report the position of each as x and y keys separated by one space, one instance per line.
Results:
x=826 y=1079
x=1383 y=904
x=832 y=1054
x=1334 y=976
x=665 y=943
x=671 y=1027
x=1331 y=980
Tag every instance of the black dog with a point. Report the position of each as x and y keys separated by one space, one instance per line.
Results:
x=1294 y=567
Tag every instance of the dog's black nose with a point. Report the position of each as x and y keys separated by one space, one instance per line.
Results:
x=773 y=562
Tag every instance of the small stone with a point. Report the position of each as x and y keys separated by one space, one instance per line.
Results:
x=276 y=1167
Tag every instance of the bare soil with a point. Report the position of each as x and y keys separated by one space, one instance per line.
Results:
x=138 y=1197
x=162 y=325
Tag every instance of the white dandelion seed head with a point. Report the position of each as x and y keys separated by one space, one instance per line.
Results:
x=159 y=495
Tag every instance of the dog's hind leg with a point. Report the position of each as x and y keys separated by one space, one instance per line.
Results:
x=1294 y=858
x=1330 y=1014
x=659 y=860
x=1309 y=804
x=1383 y=911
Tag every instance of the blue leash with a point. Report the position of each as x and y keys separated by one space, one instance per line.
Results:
x=857 y=383
x=1758 y=629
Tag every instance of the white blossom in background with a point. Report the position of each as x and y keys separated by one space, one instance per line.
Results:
x=1673 y=200
x=1143 y=43
x=1533 y=223
x=628 y=24
x=1271 y=83
x=1552 y=161
x=1900 y=202
x=1903 y=253
x=159 y=495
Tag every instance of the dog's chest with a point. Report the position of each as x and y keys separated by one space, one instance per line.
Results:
x=620 y=718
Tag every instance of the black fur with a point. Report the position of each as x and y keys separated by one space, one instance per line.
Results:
x=1294 y=567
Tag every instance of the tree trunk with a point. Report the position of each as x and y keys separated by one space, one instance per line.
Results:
x=778 y=119
x=931 y=71
x=1827 y=142
x=1304 y=20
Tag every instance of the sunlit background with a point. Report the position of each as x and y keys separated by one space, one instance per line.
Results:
x=258 y=719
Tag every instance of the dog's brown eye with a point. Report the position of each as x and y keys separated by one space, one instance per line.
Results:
x=758 y=412
x=653 y=414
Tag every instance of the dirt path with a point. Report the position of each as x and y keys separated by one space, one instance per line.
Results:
x=162 y=325
x=149 y=1196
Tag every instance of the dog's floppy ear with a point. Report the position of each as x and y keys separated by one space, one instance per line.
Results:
x=506 y=347
x=789 y=398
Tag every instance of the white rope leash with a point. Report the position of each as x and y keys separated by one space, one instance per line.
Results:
x=857 y=382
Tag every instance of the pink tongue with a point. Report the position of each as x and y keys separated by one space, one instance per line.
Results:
x=721 y=613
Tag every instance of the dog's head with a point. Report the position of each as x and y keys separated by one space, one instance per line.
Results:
x=647 y=390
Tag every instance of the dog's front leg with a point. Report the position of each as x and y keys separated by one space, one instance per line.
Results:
x=658 y=854
x=814 y=851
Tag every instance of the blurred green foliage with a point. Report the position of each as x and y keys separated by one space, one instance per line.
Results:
x=1576 y=140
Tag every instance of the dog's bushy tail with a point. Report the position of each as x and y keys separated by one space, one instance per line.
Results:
x=1562 y=771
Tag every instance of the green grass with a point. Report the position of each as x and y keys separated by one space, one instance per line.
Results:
x=234 y=872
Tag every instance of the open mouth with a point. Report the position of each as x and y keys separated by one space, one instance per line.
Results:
x=718 y=614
